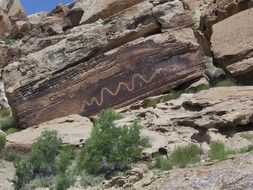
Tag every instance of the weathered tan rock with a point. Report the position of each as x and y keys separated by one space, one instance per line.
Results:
x=212 y=12
x=44 y=24
x=12 y=19
x=218 y=11
x=8 y=54
x=5 y=24
x=194 y=87
x=213 y=108
x=94 y=10
x=171 y=15
x=234 y=173
x=136 y=178
x=60 y=9
x=14 y=9
x=73 y=129
x=33 y=44
x=235 y=53
x=3 y=99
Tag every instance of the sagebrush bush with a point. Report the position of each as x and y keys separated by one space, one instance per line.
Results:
x=63 y=182
x=172 y=95
x=40 y=162
x=202 y=87
x=185 y=155
x=5 y=112
x=111 y=147
x=64 y=179
x=225 y=83
x=151 y=103
x=2 y=142
x=90 y=180
x=163 y=164
x=39 y=182
x=7 y=123
x=218 y=151
x=180 y=157
x=248 y=148
x=65 y=157
x=10 y=155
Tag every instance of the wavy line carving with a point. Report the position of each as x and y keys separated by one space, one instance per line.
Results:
x=93 y=100
x=130 y=88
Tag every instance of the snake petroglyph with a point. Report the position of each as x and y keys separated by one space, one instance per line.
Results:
x=130 y=88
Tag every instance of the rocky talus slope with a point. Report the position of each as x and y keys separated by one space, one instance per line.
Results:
x=59 y=69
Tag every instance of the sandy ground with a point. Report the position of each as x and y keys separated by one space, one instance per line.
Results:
x=6 y=175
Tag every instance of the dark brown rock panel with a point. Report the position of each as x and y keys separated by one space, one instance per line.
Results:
x=144 y=67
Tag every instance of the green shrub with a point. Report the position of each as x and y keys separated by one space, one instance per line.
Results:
x=163 y=164
x=180 y=157
x=2 y=142
x=218 y=151
x=225 y=83
x=7 y=123
x=5 y=112
x=39 y=182
x=66 y=155
x=90 y=180
x=151 y=103
x=172 y=95
x=10 y=155
x=8 y=40
x=41 y=161
x=246 y=149
x=202 y=87
x=111 y=148
x=64 y=181
x=185 y=155
x=12 y=130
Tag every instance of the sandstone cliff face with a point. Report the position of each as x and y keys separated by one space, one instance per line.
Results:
x=139 y=49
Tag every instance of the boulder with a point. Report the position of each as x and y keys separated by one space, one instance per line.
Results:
x=8 y=53
x=234 y=54
x=73 y=130
x=14 y=9
x=219 y=10
x=108 y=63
x=12 y=19
x=5 y=24
x=44 y=24
x=93 y=10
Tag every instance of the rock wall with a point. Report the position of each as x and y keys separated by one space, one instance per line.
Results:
x=129 y=50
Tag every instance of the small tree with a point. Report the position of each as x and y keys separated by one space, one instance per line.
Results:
x=111 y=147
x=41 y=161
